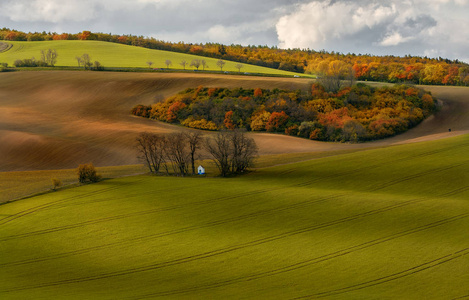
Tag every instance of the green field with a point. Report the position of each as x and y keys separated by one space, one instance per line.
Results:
x=113 y=55
x=388 y=223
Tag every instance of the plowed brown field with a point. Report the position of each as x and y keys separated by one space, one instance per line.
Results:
x=58 y=119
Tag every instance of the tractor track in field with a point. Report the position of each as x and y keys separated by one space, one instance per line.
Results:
x=417 y=175
x=388 y=162
x=176 y=231
x=302 y=184
x=174 y=207
x=232 y=248
x=306 y=263
x=32 y=210
x=395 y=276
x=178 y=206
x=197 y=203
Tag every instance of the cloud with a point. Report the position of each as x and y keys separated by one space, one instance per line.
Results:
x=53 y=11
x=380 y=27
x=316 y=24
x=386 y=27
x=394 y=39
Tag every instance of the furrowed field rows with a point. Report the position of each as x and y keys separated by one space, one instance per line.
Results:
x=309 y=262
x=391 y=277
x=32 y=210
x=389 y=223
x=113 y=218
x=245 y=245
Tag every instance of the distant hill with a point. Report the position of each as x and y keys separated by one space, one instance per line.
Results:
x=113 y=55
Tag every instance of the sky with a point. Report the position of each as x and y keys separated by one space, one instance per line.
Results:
x=432 y=28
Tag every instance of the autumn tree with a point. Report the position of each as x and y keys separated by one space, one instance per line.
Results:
x=87 y=173
x=56 y=183
x=259 y=121
x=183 y=63
x=258 y=92
x=173 y=110
x=149 y=63
x=277 y=121
x=228 y=122
x=239 y=67
x=168 y=63
x=221 y=64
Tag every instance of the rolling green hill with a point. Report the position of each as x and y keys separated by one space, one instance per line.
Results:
x=119 y=56
x=387 y=223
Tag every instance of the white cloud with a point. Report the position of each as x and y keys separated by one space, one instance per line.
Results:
x=313 y=24
x=394 y=39
x=398 y=27
x=53 y=11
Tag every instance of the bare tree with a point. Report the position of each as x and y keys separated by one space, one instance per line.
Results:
x=204 y=64
x=194 y=139
x=86 y=61
x=221 y=64
x=220 y=149
x=49 y=57
x=79 y=61
x=178 y=152
x=168 y=63
x=244 y=152
x=151 y=150
x=239 y=67
x=97 y=66
x=232 y=152
x=196 y=63
x=183 y=63
x=149 y=63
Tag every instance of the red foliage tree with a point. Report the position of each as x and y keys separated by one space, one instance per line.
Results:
x=84 y=35
x=277 y=121
x=258 y=92
x=173 y=111
x=228 y=122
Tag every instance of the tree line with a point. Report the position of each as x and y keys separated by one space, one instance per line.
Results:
x=414 y=69
x=233 y=152
x=349 y=113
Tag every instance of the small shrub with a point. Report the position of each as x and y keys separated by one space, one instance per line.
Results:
x=87 y=173
x=56 y=183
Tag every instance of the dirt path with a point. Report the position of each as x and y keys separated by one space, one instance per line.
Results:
x=56 y=120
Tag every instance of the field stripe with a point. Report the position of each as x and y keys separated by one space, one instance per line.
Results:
x=32 y=210
x=408 y=272
x=306 y=263
x=169 y=208
x=178 y=231
x=219 y=251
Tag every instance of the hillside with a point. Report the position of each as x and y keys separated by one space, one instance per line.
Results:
x=59 y=119
x=390 y=68
x=114 y=55
x=386 y=223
